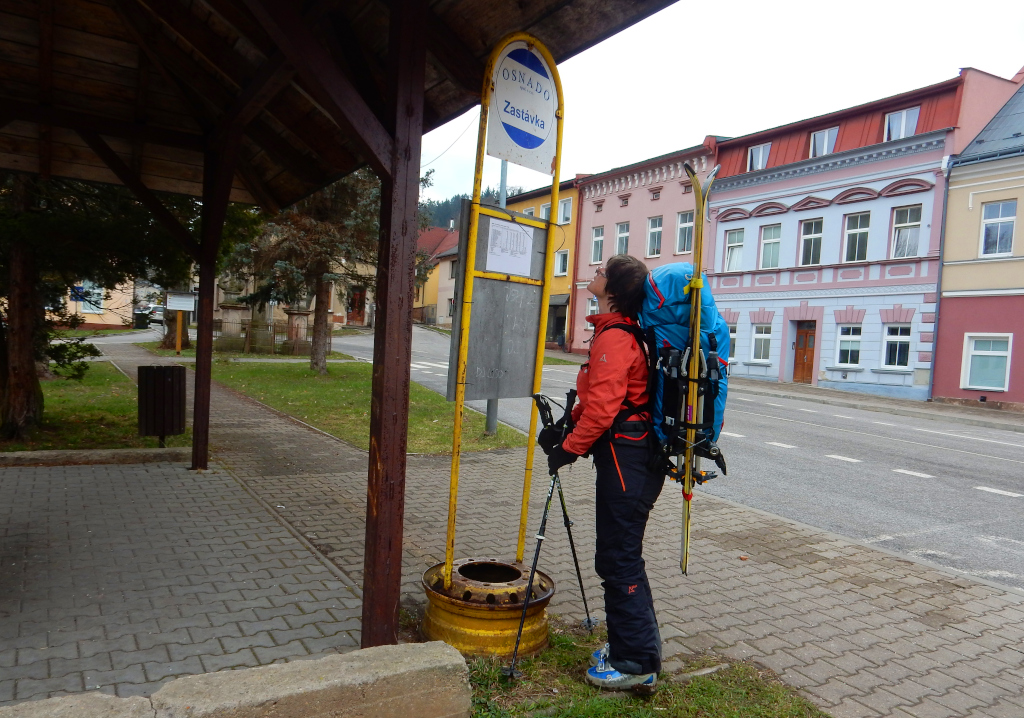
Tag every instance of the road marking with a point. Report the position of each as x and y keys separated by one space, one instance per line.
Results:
x=999 y=491
x=809 y=411
x=879 y=436
x=784 y=446
x=771 y=404
x=740 y=398
x=738 y=436
x=914 y=473
x=883 y=423
x=843 y=458
x=972 y=438
x=435 y=364
x=840 y=416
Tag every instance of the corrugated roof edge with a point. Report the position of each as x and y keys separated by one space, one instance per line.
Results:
x=546 y=189
x=997 y=155
x=651 y=160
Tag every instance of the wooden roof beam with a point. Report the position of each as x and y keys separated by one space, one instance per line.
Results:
x=252 y=181
x=72 y=120
x=457 y=59
x=272 y=77
x=145 y=195
x=45 y=84
x=325 y=81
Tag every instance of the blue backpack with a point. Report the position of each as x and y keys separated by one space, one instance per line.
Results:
x=665 y=321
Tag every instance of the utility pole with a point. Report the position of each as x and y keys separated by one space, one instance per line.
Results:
x=492 y=404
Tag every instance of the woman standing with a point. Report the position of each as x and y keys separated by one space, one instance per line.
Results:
x=611 y=423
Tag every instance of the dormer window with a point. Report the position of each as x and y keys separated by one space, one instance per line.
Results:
x=824 y=142
x=901 y=124
x=757 y=157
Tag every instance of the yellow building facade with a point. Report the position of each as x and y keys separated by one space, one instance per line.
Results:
x=566 y=227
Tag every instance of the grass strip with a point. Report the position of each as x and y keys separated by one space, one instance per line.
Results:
x=556 y=360
x=74 y=333
x=339 y=404
x=100 y=412
x=553 y=685
x=154 y=347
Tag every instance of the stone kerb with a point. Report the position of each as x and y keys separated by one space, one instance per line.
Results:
x=429 y=680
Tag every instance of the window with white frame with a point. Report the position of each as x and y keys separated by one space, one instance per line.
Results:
x=896 y=352
x=997 y=220
x=565 y=210
x=451 y=307
x=906 y=231
x=528 y=211
x=624 y=201
x=545 y=211
x=592 y=308
x=857 y=236
x=91 y=298
x=986 y=362
x=762 y=342
x=757 y=157
x=733 y=250
x=453 y=271
x=848 y=345
x=597 y=246
x=561 y=263
x=771 y=238
x=684 y=236
x=599 y=207
x=655 y=195
x=732 y=341
x=810 y=237
x=824 y=142
x=654 y=237
x=622 y=238
x=901 y=124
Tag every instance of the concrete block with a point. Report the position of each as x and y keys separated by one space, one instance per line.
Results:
x=428 y=679
x=83 y=705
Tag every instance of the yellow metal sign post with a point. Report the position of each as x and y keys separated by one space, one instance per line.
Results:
x=472 y=273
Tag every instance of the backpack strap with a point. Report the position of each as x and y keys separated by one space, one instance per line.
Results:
x=642 y=341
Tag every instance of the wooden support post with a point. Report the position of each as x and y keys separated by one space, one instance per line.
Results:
x=218 y=171
x=392 y=348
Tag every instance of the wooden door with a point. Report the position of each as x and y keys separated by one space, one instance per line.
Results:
x=357 y=306
x=803 y=359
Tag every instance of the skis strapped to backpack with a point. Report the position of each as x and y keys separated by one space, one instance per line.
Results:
x=688 y=343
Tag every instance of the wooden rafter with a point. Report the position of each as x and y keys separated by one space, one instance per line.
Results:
x=141 y=97
x=72 y=120
x=325 y=81
x=45 y=85
x=272 y=77
x=457 y=60
x=145 y=195
x=251 y=179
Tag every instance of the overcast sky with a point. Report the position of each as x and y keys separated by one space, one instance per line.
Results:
x=734 y=67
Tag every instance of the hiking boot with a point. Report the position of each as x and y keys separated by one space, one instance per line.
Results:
x=601 y=654
x=607 y=678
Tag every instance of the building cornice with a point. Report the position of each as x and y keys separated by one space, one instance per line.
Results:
x=724 y=298
x=928 y=142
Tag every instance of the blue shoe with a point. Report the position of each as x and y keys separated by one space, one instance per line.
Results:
x=607 y=678
x=601 y=654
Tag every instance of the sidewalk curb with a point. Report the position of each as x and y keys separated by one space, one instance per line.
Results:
x=857 y=542
x=86 y=457
x=899 y=411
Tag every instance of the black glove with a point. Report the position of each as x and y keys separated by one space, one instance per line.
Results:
x=559 y=457
x=550 y=436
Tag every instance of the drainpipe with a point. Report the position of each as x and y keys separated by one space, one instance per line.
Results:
x=571 y=307
x=938 y=282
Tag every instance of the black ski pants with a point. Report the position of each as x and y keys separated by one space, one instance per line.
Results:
x=626 y=492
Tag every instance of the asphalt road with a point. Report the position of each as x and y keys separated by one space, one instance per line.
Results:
x=928 y=489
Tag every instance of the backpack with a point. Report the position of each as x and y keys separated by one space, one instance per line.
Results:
x=665 y=320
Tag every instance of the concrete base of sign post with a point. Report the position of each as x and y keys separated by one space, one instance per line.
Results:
x=427 y=680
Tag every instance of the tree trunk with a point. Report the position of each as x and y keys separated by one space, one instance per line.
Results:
x=321 y=328
x=22 y=405
x=171 y=330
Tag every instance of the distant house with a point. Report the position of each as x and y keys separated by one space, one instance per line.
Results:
x=433 y=242
x=980 y=343
x=102 y=308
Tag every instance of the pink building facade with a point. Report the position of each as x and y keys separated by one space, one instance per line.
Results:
x=644 y=209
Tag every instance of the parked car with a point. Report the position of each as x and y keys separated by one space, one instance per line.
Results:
x=155 y=312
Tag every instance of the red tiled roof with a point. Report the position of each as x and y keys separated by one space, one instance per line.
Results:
x=435 y=240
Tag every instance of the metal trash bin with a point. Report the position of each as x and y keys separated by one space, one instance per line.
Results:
x=161 y=401
x=141 y=320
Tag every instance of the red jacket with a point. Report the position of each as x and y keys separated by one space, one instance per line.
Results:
x=615 y=372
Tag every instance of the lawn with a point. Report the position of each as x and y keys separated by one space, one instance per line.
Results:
x=74 y=333
x=553 y=685
x=339 y=404
x=100 y=412
x=556 y=360
x=154 y=347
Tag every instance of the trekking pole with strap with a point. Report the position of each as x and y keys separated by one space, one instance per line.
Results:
x=544 y=410
x=697 y=367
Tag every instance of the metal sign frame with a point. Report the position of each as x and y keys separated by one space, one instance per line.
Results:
x=471 y=273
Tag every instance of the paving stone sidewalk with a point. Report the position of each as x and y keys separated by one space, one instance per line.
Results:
x=861 y=632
